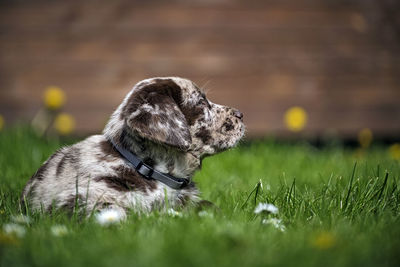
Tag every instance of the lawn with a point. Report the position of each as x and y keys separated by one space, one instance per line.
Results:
x=338 y=206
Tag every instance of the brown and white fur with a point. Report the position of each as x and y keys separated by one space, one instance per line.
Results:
x=167 y=122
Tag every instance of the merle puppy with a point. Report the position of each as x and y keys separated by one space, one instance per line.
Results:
x=148 y=152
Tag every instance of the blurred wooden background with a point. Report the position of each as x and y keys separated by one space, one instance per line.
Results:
x=339 y=60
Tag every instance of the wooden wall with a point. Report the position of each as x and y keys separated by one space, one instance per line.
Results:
x=339 y=60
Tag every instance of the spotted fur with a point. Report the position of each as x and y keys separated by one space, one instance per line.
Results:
x=167 y=122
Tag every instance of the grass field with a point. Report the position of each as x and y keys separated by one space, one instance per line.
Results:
x=333 y=212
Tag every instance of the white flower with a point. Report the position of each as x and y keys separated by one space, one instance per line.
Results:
x=59 y=230
x=204 y=213
x=277 y=223
x=21 y=219
x=109 y=216
x=269 y=208
x=14 y=229
x=174 y=213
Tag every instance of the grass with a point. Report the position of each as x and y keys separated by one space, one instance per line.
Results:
x=339 y=208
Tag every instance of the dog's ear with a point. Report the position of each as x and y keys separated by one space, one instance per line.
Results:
x=153 y=113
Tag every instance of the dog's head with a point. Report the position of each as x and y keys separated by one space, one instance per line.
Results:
x=174 y=112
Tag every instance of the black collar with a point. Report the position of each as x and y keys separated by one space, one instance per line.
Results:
x=148 y=172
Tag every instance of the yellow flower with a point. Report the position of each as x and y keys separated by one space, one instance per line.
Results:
x=54 y=97
x=365 y=137
x=64 y=123
x=324 y=240
x=1 y=122
x=295 y=119
x=394 y=151
x=7 y=239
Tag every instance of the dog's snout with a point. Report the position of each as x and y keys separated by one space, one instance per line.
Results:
x=238 y=114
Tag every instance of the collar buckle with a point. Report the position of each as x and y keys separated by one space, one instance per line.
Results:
x=144 y=170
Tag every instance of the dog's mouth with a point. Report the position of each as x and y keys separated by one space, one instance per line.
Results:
x=230 y=141
x=232 y=138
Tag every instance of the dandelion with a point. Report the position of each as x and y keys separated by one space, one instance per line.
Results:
x=1 y=122
x=14 y=229
x=174 y=213
x=324 y=240
x=394 y=151
x=21 y=219
x=8 y=239
x=295 y=119
x=54 y=97
x=64 y=123
x=109 y=217
x=266 y=207
x=277 y=223
x=59 y=230
x=365 y=137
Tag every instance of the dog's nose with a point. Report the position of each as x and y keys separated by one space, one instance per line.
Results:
x=238 y=114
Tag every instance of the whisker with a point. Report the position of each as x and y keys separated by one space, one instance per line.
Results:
x=203 y=87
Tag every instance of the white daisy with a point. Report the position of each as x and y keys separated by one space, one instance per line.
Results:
x=59 y=230
x=277 y=223
x=204 y=213
x=174 y=213
x=14 y=229
x=266 y=207
x=21 y=219
x=108 y=217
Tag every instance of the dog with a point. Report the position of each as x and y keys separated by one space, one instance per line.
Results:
x=149 y=150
